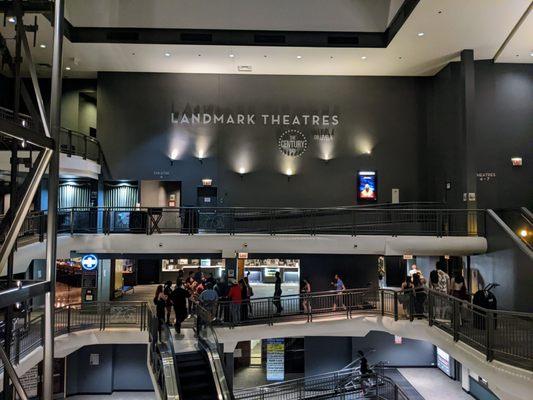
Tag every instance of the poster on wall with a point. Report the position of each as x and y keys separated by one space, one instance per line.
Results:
x=444 y=362
x=30 y=382
x=275 y=359
x=367 y=187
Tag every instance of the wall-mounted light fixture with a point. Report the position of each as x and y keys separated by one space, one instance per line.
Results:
x=289 y=172
x=207 y=182
x=241 y=172
x=516 y=161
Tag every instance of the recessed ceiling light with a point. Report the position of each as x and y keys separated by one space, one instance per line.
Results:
x=167 y=54
x=299 y=57
x=363 y=58
x=331 y=57
x=399 y=58
x=531 y=54
x=518 y=55
x=421 y=34
x=199 y=55
x=232 y=56
x=67 y=68
x=12 y=20
x=265 y=56
x=42 y=46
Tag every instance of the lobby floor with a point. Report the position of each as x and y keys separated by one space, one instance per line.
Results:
x=117 y=396
x=432 y=384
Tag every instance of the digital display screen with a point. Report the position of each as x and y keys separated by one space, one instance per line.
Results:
x=367 y=186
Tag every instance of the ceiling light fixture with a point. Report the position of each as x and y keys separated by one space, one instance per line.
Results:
x=42 y=46
x=67 y=68
x=299 y=57
x=232 y=56
x=363 y=58
x=12 y=20
x=420 y=34
x=531 y=54
x=167 y=54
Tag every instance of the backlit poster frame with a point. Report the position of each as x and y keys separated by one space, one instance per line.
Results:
x=367 y=182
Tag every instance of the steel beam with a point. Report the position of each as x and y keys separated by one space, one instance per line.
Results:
x=35 y=81
x=14 y=130
x=25 y=292
x=53 y=185
x=25 y=199
x=8 y=367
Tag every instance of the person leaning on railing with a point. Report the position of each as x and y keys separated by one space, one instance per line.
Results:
x=208 y=299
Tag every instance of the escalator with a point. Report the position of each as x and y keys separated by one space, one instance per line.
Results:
x=520 y=222
x=195 y=376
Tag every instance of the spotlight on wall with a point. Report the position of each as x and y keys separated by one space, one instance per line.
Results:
x=12 y=20
x=368 y=152
x=173 y=156
x=523 y=233
x=516 y=161
x=242 y=171
x=289 y=172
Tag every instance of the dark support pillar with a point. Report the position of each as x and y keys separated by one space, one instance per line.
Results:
x=468 y=134
x=229 y=369
x=53 y=184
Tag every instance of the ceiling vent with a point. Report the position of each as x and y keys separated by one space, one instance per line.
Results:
x=269 y=39
x=343 y=40
x=244 y=68
x=196 y=37
x=122 y=36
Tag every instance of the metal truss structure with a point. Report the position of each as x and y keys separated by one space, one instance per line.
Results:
x=41 y=136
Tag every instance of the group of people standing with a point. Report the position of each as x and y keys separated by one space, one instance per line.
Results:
x=226 y=299
x=439 y=281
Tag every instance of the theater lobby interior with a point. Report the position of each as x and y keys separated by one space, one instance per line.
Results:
x=266 y=199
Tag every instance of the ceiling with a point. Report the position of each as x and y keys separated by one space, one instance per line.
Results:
x=448 y=26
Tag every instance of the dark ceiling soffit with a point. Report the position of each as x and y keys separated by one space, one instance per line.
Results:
x=231 y=37
x=44 y=6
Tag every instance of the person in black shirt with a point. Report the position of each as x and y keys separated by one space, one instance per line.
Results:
x=160 y=300
x=179 y=298
x=167 y=290
x=277 y=294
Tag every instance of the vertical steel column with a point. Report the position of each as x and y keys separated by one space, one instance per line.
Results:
x=53 y=184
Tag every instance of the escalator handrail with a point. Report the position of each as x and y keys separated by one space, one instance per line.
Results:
x=520 y=243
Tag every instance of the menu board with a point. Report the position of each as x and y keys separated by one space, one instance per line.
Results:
x=30 y=382
x=443 y=362
x=275 y=359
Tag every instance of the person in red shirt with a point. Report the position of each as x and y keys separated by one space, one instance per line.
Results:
x=236 y=299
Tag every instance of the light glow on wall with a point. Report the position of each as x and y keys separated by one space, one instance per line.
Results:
x=364 y=144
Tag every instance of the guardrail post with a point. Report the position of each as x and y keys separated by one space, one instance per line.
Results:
x=456 y=318
x=71 y=221
x=396 y=306
x=85 y=147
x=70 y=151
x=431 y=308
x=395 y=392
x=17 y=346
x=489 y=324
x=68 y=318
x=42 y=329
x=382 y=298
x=412 y=299
x=354 y=223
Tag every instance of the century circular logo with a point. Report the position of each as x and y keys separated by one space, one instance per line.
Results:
x=89 y=262
x=292 y=143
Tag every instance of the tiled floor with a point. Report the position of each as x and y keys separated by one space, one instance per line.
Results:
x=432 y=384
x=117 y=396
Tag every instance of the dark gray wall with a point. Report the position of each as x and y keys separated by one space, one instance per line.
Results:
x=326 y=354
x=503 y=126
x=122 y=367
x=507 y=264
x=382 y=113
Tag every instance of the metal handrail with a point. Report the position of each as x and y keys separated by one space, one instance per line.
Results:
x=506 y=336
x=239 y=220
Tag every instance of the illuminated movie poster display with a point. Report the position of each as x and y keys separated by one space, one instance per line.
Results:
x=367 y=187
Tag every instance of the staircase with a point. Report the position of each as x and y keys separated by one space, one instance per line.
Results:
x=195 y=376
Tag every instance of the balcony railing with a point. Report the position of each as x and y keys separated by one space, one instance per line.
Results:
x=77 y=317
x=272 y=221
x=71 y=143
x=501 y=335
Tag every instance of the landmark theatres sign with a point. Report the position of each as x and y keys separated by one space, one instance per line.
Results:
x=292 y=142
x=255 y=119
